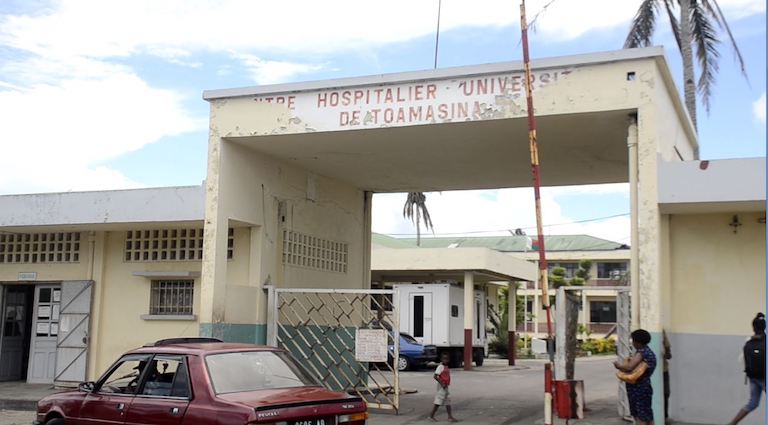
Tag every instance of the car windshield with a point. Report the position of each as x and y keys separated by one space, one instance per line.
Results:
x=409 y=339
x=255 y=370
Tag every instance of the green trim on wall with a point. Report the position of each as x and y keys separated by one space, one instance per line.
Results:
x=657 y=379
x=235 y=332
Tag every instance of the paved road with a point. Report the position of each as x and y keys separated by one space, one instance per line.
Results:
x=13 y=417
x=493 y=395
x=504 y=396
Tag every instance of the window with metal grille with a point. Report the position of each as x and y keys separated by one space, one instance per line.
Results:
x=169 y=245
x=570 y=268
x=611 y=270
x=602 y=311
x=40 y=247
x=171 y=297
x=315 y=253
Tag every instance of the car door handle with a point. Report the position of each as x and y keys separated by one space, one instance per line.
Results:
x=174 y=411
x=120 y=406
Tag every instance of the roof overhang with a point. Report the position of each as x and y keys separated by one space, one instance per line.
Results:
x=439 y=130
x=725 y=185
x=108 y=210
x=425 y=264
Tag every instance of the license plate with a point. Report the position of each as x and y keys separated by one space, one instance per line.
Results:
x=318 y=421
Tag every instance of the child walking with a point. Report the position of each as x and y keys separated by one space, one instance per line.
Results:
x=443 y=397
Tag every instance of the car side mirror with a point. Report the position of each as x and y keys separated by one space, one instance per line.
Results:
x=86 y=387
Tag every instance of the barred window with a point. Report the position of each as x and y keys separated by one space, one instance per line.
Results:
x=169 y=245
x=315 y=253
x=61 y=247
x=570 y=268
x=171 y=297
x=611 y=270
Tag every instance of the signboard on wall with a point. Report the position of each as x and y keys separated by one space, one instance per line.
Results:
x=371 y=345
x=414 y=103
x=27 y=276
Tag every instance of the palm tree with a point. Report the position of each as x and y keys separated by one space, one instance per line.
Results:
x=415 y=209
x=696 y=27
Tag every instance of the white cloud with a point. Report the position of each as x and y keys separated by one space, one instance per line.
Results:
x=736 y=9
x=98 y=28
x=271 y=72
x=56 y=135
x=465 y=212
x=758 y=108
x=70 y=95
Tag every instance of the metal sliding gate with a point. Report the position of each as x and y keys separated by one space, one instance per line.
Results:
x=333 y=332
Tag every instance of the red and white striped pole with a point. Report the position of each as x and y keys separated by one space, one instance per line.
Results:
x=534 y=148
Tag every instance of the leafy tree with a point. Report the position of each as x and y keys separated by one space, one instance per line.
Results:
x=695 y=28
x=557 y=277
x=582 y=274
x=499 y=344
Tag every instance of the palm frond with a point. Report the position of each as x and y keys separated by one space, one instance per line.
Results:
x=643 y=24
x=713 y=8
x=427 y=218
x=705 y=39
x=415 y=209
x=673 y=22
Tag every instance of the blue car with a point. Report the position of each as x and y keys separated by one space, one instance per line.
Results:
x=412 y=354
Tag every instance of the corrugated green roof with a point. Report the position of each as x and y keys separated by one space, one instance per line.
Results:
x=505 y=243
x=390 y=242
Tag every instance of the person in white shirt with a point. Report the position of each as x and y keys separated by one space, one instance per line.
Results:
x=443 y=397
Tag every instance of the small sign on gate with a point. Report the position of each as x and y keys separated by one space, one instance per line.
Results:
x=371 y=345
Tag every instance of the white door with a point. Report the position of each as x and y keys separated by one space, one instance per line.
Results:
x=420 y=320
x=74 y=325
x=45 y=330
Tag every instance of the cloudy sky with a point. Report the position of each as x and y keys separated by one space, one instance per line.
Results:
x=106 y=94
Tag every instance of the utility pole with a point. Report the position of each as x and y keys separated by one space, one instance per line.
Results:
x=543 y=273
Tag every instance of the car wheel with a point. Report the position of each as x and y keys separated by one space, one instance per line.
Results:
x=479 y=360
x=403 y=364
x=55 y=421
x=455 y=359
x=479 y=357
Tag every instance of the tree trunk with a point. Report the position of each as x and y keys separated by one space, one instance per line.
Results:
x=689 y=82
x=572 y=301
x=418 y=230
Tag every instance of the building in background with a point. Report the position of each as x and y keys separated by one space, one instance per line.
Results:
x=610 y=264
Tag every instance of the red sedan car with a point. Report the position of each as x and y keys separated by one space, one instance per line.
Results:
x=203 y=381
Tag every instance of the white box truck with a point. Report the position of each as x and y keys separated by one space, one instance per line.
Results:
x=433 y=313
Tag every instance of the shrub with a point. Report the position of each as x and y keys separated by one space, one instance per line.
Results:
x=599 y=346
x=498 y=345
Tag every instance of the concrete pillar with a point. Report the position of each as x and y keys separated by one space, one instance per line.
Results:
x=634 y=264
x=469 y=308
x=512 y=323
x=560 y=330
x=536 y=308
x=645 y=265
x=213 y=283
x=97 y=262
x=367 y=235
x=584 y=309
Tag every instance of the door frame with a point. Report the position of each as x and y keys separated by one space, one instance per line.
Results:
x=4 y=286
x=424 y=315
x=33 y=324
